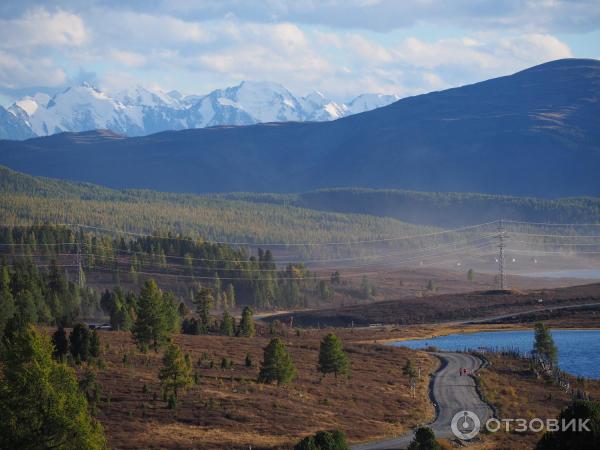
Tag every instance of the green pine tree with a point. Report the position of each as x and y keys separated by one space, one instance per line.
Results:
x=575 y=439
x=409 y=369
x=94 y=344
x=41 y=404
x=204 y=303
x=151 y=327
x=424 y=440
x=60 y=342
x=277 y=364
x=7 y=301
x=246 y=323
x=176 y=372
x=332 y=358
x=544 y=346
x=227 y=324
x=80 y=340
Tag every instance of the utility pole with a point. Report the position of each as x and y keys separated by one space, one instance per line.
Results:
x=78 y=262
x=501 y=245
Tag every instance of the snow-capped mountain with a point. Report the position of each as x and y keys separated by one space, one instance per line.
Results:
x=140 y=111
x=367 y=102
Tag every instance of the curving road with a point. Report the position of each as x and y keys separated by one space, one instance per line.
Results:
x=451 y=393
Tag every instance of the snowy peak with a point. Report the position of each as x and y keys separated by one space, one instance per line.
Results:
x=320 y=108
x=140 y=110
x=367 y=102
x=140 y=96
x=264 y=101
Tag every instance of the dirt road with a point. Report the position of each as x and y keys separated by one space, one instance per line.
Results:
x=452 y=393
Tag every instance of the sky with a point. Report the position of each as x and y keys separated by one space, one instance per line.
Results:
x=339 y=47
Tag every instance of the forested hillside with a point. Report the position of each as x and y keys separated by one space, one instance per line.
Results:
x=444 y=209
x=59 y=272
x=30 y=199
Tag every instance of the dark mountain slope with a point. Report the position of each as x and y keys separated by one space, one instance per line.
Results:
x=13 y=126
x=536 y=132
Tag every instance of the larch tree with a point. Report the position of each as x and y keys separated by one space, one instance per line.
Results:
x=80 y=340
x=176 y=371
x=277 y=364
x=151 y=327
x=227 y=324
x=544 y=346
x=204 y=303
x=332 y=358
x=41 y=404
x=7 y=301
x=60 y=342
x=246 y=323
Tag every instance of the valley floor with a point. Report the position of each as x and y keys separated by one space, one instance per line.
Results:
x=228 y=409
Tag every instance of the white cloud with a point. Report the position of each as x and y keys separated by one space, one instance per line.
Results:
x=150 y=30
x=132 y=59
x=382 y=15
x=40 y=28
x=199 y=46
x=22 y=72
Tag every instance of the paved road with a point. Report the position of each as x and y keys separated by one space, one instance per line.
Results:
x=452 y=393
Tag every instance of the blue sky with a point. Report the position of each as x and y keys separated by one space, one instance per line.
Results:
x=339 y=47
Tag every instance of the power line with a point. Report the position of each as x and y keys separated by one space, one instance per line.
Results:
x=576 y=244
x=553 y=224
x=413 y=254
x=289 y=244
x=431 y=252
x=314 y=277
x=561 y=236
x=551 y=252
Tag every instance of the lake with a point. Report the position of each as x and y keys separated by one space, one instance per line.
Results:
x=578 y=350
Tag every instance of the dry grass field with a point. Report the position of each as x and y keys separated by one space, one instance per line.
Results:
x=448 y=307
x=228 y=409
x=511 y=386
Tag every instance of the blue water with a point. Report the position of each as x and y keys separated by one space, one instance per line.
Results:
x=578 y=350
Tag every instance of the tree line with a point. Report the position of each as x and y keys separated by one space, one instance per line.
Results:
x=235 y=277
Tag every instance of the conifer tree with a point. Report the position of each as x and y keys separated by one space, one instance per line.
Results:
x=424 y=440
x=79 y=340
x=60 y=342
x=544 y=346
x=277 y=364
x=204 y=303
x=41 y=404
x=176 y=371
x=246 y=323
x=7 y=301
x=332 y=358
x=94 y=344
x=409 y=369
x=227 y=324
x=151 y=327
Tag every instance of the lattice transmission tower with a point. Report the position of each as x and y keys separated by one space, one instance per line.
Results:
x=501 y=246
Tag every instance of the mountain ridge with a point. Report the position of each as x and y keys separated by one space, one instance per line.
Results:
x=533 y=133
x=139 y=111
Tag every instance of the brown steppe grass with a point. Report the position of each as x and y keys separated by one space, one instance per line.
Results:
x=511 y=386
x=228 y=409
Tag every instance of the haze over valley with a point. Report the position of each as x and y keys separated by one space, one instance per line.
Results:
x=386 y=237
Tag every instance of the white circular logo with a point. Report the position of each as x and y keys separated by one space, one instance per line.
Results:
x=465 y=425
